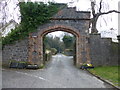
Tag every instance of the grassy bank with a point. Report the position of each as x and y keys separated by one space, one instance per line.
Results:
x=109 y=73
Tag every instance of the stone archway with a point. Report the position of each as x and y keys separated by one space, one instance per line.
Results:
x=36 y=44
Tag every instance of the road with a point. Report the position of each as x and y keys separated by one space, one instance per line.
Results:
x=59 y=73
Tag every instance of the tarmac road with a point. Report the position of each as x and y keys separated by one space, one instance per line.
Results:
x=59 y=73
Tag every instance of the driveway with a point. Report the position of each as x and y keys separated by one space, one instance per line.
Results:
x=58 y=73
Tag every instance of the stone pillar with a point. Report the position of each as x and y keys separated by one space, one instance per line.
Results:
x=30 y=49
x=40 y=50
x=82 y=51
x=34 y=50
x=78 y=52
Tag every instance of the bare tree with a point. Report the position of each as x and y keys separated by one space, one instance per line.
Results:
x=96 y=15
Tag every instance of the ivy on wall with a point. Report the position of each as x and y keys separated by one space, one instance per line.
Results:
x=32 y=15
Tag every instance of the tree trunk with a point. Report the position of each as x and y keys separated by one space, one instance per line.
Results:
x=94 y=19
x=94 y=23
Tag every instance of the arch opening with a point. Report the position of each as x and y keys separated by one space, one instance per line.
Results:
x=67 y=29
x=59 y=43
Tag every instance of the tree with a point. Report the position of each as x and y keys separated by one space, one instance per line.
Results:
x=68 y=41
x=53 y=42
x=32 y=16
x=97 y=14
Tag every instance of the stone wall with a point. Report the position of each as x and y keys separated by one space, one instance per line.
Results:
x=119 y=50
x=17 y=51
x=103 y=51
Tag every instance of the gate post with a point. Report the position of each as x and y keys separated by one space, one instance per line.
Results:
x=30 y=48
x=83 y=51
x=79 y=51
x=34 y=50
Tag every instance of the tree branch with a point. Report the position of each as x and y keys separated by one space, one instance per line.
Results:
x=100 y=6
x=111 y=11
x=93 y=8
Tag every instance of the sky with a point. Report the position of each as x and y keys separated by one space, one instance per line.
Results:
x=104 y=23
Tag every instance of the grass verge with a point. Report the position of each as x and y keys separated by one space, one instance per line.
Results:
x=109 y=73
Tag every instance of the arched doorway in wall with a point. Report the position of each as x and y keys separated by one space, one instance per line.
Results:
x=36 y=44
x=59 y=43
x=64 y=29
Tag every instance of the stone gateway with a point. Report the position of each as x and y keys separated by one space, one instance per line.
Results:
x=68 y=20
